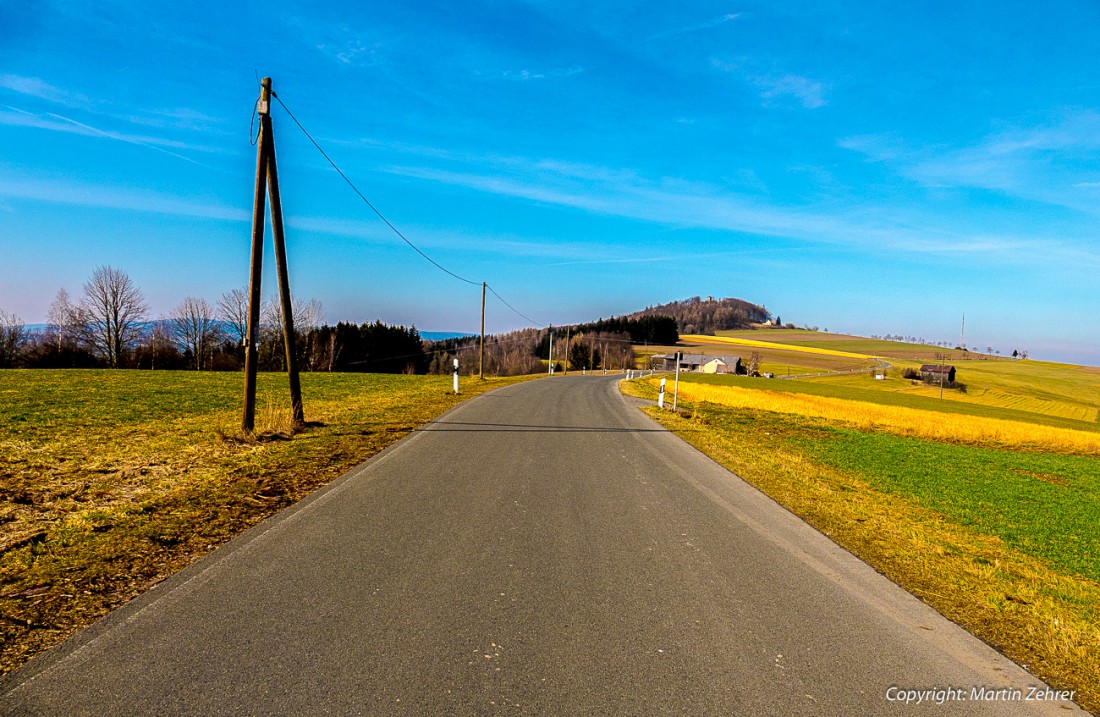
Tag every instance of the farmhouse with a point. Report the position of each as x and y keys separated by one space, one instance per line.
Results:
x=933 y=373
x=701 y=363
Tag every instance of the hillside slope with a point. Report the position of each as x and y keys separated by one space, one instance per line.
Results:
x=705 y=316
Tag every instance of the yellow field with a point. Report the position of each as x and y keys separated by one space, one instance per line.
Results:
x=901 y=420
x=1034 y=386
x=753 y=343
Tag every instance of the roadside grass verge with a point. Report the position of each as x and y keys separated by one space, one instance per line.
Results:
x=110 y=481
x=1000 y=541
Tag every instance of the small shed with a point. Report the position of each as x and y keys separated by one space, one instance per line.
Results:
x=934 y=372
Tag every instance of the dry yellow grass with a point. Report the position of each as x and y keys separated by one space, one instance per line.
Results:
x=112 y=480
x=901 y=420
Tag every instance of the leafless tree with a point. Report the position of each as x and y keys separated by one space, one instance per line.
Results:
x=754 y=364
x=233 y=311
x=195 y=328
x=161 y=344
x=12 y=336
x=307 y=315
x=64 y=318
x=112 y=310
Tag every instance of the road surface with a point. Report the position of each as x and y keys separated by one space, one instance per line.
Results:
x=541 y=549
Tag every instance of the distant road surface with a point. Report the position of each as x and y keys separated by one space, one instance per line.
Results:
x=541 y=549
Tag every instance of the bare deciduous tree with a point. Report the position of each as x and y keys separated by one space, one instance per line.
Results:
x=12 y=337
x=195 y=329
x=161 y=345
x=307 y=315
x=112 y=310
x=64 y=318
x=233 y=310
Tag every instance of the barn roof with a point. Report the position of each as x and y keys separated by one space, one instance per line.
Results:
x=936 y=368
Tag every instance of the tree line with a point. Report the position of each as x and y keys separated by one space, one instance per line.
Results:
x=606 y=343
x=109 y=326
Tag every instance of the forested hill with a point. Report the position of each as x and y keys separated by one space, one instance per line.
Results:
x=705 y=316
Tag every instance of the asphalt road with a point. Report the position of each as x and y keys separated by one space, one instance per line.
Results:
x=542 y=549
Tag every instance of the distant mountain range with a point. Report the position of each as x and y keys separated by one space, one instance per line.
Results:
x=441 y=335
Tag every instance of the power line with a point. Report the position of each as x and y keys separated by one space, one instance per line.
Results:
x=367 y=201
x=514 y=309
x=387 y=221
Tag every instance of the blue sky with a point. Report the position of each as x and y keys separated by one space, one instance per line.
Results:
x=864 y=167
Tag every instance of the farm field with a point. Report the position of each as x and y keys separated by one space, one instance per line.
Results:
x=780 y=361
x=1045 y=388
x=113 y=480
x=986 y=506
x=1054 y=390
x=759 y=343
x=803 y=338
x=894 y=391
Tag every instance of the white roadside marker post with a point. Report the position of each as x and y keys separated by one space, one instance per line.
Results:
x=676 y=389
x=661 y=398
x=456 y=376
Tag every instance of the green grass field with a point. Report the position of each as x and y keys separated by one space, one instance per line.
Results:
x=113 y=480
x=1045 y=505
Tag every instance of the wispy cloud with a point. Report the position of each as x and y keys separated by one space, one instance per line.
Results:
x=696 y=27
x=875 y=147
x=810 y=93
x=35 y=87
x=13 y=116
x=369 y=229
x=59 y=191
x=553 y=74
x=680 y=203
x=1043 y=163
x=775 y=88
x=352 y=51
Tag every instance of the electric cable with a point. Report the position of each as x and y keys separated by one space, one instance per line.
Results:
x=364 y=198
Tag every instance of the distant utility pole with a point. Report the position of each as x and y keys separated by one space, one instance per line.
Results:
x=565 y=369
x=943 y=368
x=266 y=171
x=551 y=349
x=481 y=366
x=962 y=334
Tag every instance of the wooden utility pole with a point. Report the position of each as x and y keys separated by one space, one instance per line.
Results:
x=266 y=172
x=568 y=346
x=481 y=346
x=252 y=333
